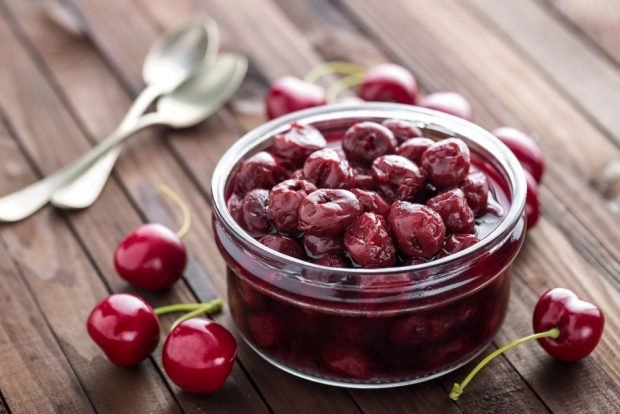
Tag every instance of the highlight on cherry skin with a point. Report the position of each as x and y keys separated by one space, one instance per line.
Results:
x=568 y=328
x=127 y=329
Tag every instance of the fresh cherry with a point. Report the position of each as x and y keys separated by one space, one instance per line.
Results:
x=454 y=211
x=369 y=243
x=418 y=230
x=402 y=130
x=476 y=189
x=255 y=212
x=397 y=178
x=320 y=246
x=284 y=201
x=372 y=202
x=389 y=82
x=447 y=162
x=580 y=323
x=524 y=148
x=289 y=94
x=449 y=102
x=365 y=141
x=413 y=148
x=198 y=355
x=283 y=244
x=125 y=327
x=326 y=169
x=151 y=257
x=532 y=207
x=261 y=170
x=328 y=212
x=297 y=143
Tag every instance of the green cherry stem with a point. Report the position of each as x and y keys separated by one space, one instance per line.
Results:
x=178 y=201
x=343 y=84
x=193 y=309
x=207 y=308
x=327 y=68
x=457 y=389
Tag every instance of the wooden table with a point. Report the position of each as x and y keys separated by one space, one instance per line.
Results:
x=546 y=66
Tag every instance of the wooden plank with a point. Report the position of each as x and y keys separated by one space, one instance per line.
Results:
x=569 y=61
x=58 y=272
x=35 y=375
x=102 y=226
x=598 y=19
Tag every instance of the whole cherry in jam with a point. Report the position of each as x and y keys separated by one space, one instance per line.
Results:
x=261 y=170
x=320 y=246
x=365 y=141
x=289 y=94
x=449 y=102
x=447 y=162
x=372 y=202
x=389 y=82
x=567 y=327
x=255 y=212
x=283 y=244
x=369 y=243
x=413 y=148
x=284 y=201
x=328 y=212
x=198 y=355
x=297 y=143
x=402 y=130
x=326 y=169
x=476 y=189
x=532 y=207
x=454 y=243
x=524 y=148
x=332 y=261
x=125 y=327
x=454 y=210
x=417 y=229
x=397 y=178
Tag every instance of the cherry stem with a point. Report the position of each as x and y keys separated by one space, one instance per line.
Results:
x=327 y=68
x=457 y=389
x=193 y=309
x=343 y=84
x=187 y=218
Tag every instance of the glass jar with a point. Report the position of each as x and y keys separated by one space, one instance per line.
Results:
x=372 y=328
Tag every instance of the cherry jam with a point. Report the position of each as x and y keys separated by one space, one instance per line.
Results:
x=368 y=297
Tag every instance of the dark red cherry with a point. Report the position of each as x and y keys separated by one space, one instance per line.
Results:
x=297 y=174
x=332 y=261
x=532 y=208
x=198 y=355
x=413 y=149
x=346 y=359
x=365 y=141
x=454 y=211
x=289 y=94
x=362 y=178
x=417 y=229
x=266 y=329
x=283 y=244
x=234 y=206
x=447 y=162
x=476 y=189
x=261 y=170
x=297 y=143
x=580 y=323
x=327 y=212
x=372 y=202
x=255 y=213
x=449 y=102
x=327 y=169
x=319 y=246
x=389 y=82
x=284 y=201
x=369 y=243
x=402 y=130
x=125 y=327
x=397 y=178
x=457 y=242
x=524 y=148
x=151 y=257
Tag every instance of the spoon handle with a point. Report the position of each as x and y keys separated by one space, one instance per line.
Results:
x=82 y=191
x=23 y=203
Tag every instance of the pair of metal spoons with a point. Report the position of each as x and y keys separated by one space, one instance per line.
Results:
x=189 y=80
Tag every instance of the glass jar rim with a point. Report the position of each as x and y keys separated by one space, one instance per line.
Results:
x=440 y=121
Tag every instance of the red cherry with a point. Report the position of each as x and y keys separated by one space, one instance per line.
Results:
x=327 y=169
x=328 y=212
x=413 y=148
x=402 y=130
x=151 y=257
x=389 y=82
x=476 y=189
x=283 y=244
x=369 y=243
x=198 y=355
x=418 y=230
x=524 y=148
x=284 y=201
x=532 y=208
x=449 y=102
x=447 y=162
x=372 y=202
x=347 y=360
x=125 y=327
x=365 y=141
x=580 y=323
x=454 y=211
x=256 y=214
x=457 y=242
x=266 y=329
x=261 y=170
x=332 y=261
x=297 y=143
x=397 y=178
x=289 y=94
x=319 y=246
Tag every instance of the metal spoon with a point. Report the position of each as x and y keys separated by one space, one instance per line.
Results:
x=205 y=91
x=169 y=61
